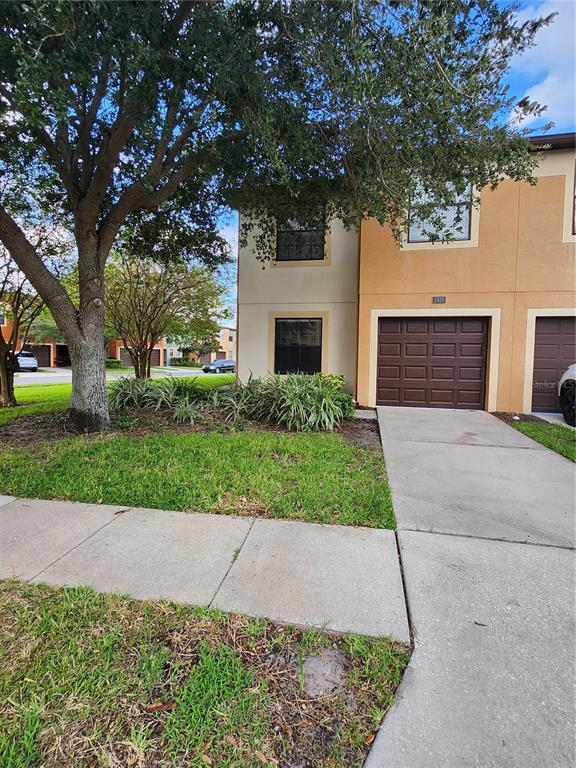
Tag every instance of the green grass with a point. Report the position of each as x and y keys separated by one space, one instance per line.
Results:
x=37 y=398
x=34 y=399
x=92 y=680
x=555 y=436
x=314 y=477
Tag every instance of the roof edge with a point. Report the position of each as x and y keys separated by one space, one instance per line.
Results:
x=554 y=141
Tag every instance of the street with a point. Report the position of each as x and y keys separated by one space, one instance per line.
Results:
x=63 y=375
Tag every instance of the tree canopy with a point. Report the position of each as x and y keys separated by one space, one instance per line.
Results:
x=111 y=109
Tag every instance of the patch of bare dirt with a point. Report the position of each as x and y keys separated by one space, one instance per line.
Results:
x=362 y=432
x=31 y=430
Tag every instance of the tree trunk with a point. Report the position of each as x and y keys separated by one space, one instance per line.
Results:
x=89 y=406
x=7 y=397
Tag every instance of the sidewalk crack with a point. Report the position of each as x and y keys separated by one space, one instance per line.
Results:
x=235 y=556
x=57 y=560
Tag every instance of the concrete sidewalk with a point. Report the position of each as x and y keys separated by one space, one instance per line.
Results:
x=491 y=683
x=333 y=577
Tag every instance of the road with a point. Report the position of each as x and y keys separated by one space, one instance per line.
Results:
x=63 y=375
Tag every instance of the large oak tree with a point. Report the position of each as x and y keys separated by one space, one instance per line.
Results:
x=110 y=108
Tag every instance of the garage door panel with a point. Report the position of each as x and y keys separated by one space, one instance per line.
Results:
x=389 y=350
x=416 y=326
x=415 y=372
x=471 y=374
x=436 y=365
x=442 y=373
x=443 y=350
x=389 y=394
x=416 y=350
x=413 y=397
x=554 y=351
x=471 y=350
x=444 y=326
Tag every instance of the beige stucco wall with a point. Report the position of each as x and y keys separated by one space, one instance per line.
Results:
x=301 y=289
x=522 y=264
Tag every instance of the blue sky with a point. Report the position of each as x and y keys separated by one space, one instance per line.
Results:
x=545 y=73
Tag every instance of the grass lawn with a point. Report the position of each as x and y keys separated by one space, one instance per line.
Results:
x=317 y=477
x=555 y=436
x=91 y=680
x=46 y=398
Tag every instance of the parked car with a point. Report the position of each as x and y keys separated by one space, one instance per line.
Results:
x=567 y=395
x=27 y=362
x=220 y=366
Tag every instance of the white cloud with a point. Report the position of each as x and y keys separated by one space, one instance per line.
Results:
x=552 y=63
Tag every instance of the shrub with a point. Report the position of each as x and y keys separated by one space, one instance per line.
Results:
x=112 y=362
x=300 y=402
x=310 y=403
x=131 y=393
x=183 y=362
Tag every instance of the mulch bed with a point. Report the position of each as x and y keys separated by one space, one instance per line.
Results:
x=27 y=431
x=510 y=418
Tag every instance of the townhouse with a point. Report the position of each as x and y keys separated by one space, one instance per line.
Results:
x=485 y=321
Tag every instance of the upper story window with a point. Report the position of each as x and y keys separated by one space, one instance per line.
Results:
x=2 y=318
x=301 y=240
x=454 y=220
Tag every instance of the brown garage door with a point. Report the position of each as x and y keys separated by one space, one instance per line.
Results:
x=432 y=362
x=554 y=351
x=41 y=352
x=127 y=360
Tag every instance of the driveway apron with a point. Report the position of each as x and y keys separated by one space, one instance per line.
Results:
x=486 y=537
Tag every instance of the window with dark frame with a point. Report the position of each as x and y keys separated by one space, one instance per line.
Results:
x=301 y=240
x=458 y=230
x=298 y=345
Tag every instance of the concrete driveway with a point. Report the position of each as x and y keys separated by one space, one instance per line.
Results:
x=485 y=531
x=468 y=473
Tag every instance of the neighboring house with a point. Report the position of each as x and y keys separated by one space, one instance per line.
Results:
x=227 y=347
x=53 y=354
x=486 y=321
x=117 y=350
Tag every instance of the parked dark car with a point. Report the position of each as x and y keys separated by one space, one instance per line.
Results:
x=27 y=362
x=220 y=366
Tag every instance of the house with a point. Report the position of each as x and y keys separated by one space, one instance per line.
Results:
x=226 y=347
x=485 y=321
x=53 y=354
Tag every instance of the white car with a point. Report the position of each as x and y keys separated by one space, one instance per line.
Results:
x=27 y=361
x=567 y=395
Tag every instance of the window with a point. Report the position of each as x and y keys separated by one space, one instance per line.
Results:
x=2 y=318
x=458 y=230
x=300 y=241
x=298 y=345
x=230 y=338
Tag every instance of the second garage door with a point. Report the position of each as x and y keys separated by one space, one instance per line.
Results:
x=432 y=362
x=554 y=351
x=127 y=360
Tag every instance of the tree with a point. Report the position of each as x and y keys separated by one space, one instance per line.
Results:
x=20 y=304
x=147 y=301
x=110 y=108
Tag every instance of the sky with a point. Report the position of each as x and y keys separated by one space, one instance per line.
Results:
x=545 y=73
